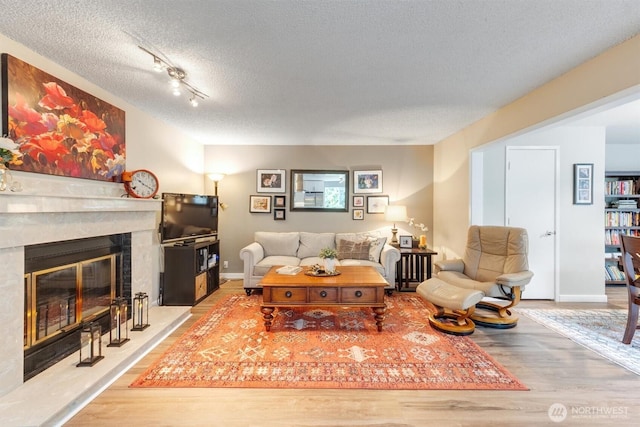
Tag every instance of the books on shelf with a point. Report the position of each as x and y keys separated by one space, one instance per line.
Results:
x=622 y=219
x=612 y=272
x=625 y=204
x=289 y=270
x=612 y=237
x=624 y=187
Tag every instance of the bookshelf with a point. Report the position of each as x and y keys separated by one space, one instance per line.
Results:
x=621 y=216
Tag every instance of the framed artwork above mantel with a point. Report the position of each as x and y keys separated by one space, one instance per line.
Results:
x=60 y=129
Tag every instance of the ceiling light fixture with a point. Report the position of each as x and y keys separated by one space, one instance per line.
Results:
x=177 y=78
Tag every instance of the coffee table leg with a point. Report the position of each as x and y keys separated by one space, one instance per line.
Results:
x=379 y=316
x=266 y=311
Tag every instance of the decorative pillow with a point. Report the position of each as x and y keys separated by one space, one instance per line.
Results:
x=376 y=245
x=348 y=249
x=312 y=243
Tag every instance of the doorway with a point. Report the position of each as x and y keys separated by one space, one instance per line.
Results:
x=531 y=188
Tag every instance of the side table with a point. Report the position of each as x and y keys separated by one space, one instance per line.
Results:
x=414 y=267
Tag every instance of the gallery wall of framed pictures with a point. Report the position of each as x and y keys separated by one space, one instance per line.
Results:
x=366 y=197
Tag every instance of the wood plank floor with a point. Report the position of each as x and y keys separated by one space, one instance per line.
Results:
x=554 y=368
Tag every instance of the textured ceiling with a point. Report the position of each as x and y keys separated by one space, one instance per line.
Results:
x=322 y=71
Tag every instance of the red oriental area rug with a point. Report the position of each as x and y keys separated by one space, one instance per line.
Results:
x=319 y=347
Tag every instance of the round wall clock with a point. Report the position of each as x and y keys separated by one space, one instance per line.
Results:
x=141 y=183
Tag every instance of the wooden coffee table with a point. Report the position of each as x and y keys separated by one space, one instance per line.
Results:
x=355 y=286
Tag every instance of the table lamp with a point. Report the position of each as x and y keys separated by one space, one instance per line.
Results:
x=395 y=213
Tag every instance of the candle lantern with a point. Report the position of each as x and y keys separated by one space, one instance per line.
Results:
x=140 y=312
x=90 y=344
x=119 y=332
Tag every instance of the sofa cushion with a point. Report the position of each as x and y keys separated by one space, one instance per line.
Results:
x=275 y=243
x=349 y=249
x=312 y=243
x=261 y=268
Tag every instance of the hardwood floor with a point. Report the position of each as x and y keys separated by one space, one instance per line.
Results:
x=554 y=368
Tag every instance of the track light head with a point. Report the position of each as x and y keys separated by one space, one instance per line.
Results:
x=177 y=77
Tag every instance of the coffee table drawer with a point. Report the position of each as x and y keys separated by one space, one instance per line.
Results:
x=323 y=295
x=288 y=294
x=358 y=295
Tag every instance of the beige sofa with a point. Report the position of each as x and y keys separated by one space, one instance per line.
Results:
x=302 y=248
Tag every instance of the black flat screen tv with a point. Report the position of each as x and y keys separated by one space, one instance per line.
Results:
x=188 y=217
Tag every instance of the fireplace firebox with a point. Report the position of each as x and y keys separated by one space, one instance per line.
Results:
x=67 y=284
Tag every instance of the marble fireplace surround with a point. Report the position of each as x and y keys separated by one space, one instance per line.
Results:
x=55 y=213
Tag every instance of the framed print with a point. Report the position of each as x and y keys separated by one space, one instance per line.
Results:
x=358 y=201
x=279 y=201
x=358 y=214
x=405 y=241
x=376 y=204
x=58 y=128
x=279 y=214
x=367 y=181
x=270 y=181
x=260 y=204
x=583 y=184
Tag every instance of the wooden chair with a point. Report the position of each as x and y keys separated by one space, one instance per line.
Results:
x=631 y=266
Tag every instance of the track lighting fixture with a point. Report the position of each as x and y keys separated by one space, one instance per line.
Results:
x=177 y=78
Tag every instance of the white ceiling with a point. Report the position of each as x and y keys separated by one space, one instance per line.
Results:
x=322 y=71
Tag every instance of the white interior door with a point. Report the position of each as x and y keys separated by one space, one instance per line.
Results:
x=531 y=203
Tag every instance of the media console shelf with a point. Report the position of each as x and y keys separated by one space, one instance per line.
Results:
x=622 y=216
x=191 y=272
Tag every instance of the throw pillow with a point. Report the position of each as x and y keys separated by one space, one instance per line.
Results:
x=348 y=249
x=376 y=245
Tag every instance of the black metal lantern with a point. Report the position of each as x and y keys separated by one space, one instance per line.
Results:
x=119 y=332
x=140 y=312
x=90 y=344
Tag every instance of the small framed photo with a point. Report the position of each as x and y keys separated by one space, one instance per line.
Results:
x=270 y=181
x=583 y=184
x=260 y=204
x=279 y=201
x=405 y=241
x=358 y=214
x=358 y=201
x=279 y=214
x=367 y=181
x=376 y=204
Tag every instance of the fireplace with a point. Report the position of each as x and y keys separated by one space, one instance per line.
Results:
x=56 y=210
x=66 y=284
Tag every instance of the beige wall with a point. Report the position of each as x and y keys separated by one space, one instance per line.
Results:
x=407 y=179
x=613 y=72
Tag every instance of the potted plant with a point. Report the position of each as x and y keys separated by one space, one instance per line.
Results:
x=329 y=256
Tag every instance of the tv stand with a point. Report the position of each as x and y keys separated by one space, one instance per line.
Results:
x=191 y=271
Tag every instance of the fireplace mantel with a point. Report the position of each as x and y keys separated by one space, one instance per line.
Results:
x=27 y=203
x=40 y=215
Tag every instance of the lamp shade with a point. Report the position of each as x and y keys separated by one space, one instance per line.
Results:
x=395 y=213
x=216 y=177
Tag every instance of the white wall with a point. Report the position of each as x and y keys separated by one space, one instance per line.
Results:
x=580 y=230
x=622 y=157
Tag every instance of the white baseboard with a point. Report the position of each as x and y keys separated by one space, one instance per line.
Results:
x=232 y=276
x=582 y=298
